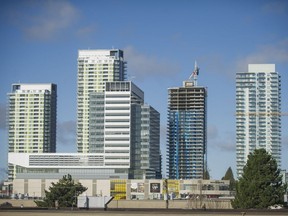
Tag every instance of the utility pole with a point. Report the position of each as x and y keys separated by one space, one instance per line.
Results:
x=166 y=192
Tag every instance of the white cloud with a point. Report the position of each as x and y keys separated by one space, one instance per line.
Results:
x=276 y=7
x=227 y=146
x=225 y=143
x=215 y=63
x=46 y=19
x=265 y=54
x=2 y=116
x=163 y=142
x=212 y=132
x=141 y=65
x=66 y=133
x=85 y=31
x=272 y=53
x=285 y=141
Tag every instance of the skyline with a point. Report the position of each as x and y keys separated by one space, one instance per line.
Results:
x=161 y=41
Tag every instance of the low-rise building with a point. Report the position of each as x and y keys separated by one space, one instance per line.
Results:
x=36 y=172
x=131 y=189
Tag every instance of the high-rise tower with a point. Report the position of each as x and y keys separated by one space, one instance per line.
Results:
x=258 y=113
x=95 y=68
x=125 y=130
x=32 y=119
x=186 y=136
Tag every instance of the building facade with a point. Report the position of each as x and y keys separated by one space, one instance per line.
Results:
x=95 y=68
x=258 y=113
x=111 y=115
x=36 y=172
x=132 y=189
x=56 y=165
x=125 y=129
x=146 y=156
x=124 y=134
x=119 y=128
x=32 y=117
x=186 y=131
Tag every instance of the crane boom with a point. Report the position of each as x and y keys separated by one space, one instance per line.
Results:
x=194 y=74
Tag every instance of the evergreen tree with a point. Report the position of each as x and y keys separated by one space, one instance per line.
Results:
x=261 y=183
x=229 y=176
x=64 y=192
x=206 y=174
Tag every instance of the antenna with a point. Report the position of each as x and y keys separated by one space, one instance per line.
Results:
x=194 y=74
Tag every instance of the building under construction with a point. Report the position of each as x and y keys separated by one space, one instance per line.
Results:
x=187 y=130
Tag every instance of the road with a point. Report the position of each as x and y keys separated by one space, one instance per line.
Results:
x=125 y=212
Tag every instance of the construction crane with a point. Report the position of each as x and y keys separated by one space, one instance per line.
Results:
x=194 y=74
x=261 y=114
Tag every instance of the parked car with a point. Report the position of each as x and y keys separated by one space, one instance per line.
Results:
x=276 y=206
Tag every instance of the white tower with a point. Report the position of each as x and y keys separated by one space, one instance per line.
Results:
x=95 y=68
x=258 y=113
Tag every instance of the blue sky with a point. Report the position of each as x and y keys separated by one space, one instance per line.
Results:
x=161 y=40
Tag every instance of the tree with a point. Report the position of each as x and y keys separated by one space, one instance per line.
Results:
x=261 y=183
x=229 y=176
x=206 y=174
x=65 y=192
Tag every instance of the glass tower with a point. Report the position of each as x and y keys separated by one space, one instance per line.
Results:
x=145 y=151
x=258 y=113
x=95 y=68
x=186 y=135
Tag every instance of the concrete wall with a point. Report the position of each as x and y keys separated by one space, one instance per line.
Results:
x=17 y=203
x=173 y=204
x=96 y=187
x=103 y=188
x=33 y=188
